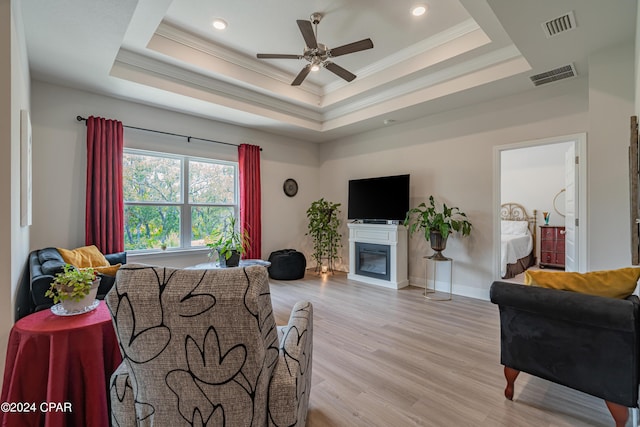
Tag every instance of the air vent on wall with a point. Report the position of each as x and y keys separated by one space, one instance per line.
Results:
x=559 y=25
x=554 y=75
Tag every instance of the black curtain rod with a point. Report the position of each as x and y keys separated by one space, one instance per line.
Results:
x=189 y=138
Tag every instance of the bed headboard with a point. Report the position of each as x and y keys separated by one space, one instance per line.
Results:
x=517 y=212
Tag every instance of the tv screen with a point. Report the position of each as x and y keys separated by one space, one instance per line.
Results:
x=382 y=198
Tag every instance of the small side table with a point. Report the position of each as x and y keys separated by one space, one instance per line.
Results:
x=65 y=361
x=435 y=262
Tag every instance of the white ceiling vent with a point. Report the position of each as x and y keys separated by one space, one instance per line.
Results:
x=559 y=25
x=554 y=75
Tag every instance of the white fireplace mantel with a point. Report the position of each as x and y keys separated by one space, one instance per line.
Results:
x=393 y=235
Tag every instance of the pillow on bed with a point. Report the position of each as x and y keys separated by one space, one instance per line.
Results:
x=516 y=228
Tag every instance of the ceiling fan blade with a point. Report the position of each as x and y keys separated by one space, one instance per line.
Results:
x=307 y=33
x=339 y=71
x=301 y=76
x=277 y=56
x=351 y=47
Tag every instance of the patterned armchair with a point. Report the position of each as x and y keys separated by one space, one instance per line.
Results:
x=201 y=347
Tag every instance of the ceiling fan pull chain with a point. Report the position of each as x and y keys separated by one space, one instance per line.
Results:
x=316 y=25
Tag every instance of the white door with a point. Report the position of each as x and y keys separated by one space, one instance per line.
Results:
x=571 y=209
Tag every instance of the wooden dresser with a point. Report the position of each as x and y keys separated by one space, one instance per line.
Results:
x=551 y=246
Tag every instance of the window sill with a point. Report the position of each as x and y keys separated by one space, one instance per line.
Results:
x=166 y=253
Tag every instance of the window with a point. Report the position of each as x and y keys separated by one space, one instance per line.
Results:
x=175 y=200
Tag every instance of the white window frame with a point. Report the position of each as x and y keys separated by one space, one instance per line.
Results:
x=184 y=205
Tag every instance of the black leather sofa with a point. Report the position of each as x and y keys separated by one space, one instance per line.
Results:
x=585 y=342
x=43 y=266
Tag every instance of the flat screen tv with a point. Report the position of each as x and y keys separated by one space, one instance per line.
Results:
x=379 y=199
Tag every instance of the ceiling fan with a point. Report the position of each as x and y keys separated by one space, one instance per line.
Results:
x=317 y=54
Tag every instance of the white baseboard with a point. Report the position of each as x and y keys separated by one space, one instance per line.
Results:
x=458 y=289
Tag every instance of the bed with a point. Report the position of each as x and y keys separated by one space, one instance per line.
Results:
x=518 y=240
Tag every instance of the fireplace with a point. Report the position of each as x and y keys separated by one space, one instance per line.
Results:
x=378 y=254
x=373 y=260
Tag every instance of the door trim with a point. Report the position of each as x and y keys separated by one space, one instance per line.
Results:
x=580 y=141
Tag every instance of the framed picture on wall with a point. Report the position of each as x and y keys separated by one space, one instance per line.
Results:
x=25 y=168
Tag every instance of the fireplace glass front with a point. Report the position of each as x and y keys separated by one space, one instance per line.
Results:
x=373 y=260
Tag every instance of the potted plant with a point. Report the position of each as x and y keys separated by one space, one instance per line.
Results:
x=230 y=243
x=437 y=224
x=323 y=228
x=74 y=288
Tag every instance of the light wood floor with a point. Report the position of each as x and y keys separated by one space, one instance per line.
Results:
x=392 y=358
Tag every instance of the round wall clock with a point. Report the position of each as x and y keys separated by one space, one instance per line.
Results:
x=290 y=187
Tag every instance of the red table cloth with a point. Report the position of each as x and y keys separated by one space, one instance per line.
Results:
x=58 y=368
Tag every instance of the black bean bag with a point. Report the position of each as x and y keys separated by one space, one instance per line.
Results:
x=287 y=264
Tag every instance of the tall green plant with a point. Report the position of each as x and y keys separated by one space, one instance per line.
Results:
x=323 y=228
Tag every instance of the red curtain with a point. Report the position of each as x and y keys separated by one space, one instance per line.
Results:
x=104 y=226
x=250 y=201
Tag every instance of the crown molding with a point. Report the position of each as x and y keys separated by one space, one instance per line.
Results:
x=261 y=96
x=151 y=66
x=193 y=41
x=423 y=46
x=395 y=91
x=190 y=40
x=148 y=65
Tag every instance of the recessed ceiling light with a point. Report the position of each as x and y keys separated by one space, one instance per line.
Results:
x=219 y=24
x=419 y=10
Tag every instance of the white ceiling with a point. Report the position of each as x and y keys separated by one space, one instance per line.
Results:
x=165 y=53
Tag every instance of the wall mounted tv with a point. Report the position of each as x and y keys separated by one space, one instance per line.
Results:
x=379 y=199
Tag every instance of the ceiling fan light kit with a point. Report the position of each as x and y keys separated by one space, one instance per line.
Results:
x=317 y=54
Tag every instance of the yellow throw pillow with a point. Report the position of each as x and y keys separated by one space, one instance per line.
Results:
x=606 y=283
x=86 y=256
x=108 y=271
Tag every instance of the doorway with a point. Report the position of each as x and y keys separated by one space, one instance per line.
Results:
x=545 y=176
